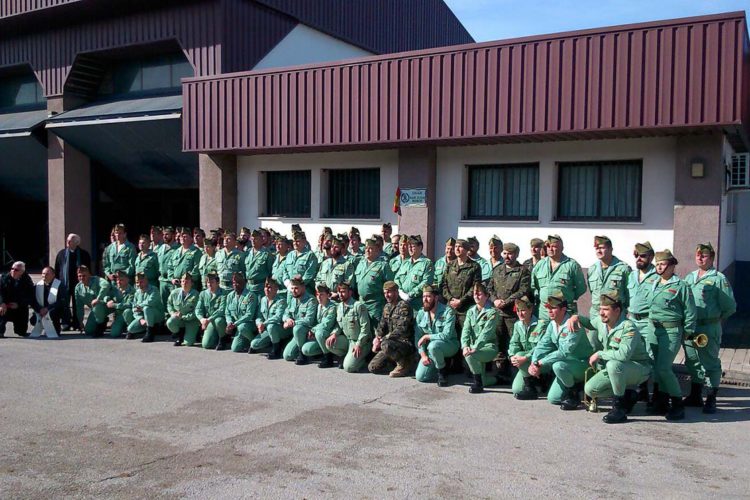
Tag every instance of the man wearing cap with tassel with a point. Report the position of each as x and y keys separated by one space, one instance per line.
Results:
x=402 y=256
x=351 y=339
x=414 y=274
x=301 y=262
x=370 y=276
x=509 y=281
x=525 y=337
x=279 y=271
x=479 y=338
x=385 y=231
x=337 y=269
x=393 y=344
x=496 y=251
x=164 y=256
x=458 y=283
x=442 y=263
x=608 y=273
x=435 y=337
x=210 y=312
x=714 y=303
x=258 y=263
x=229 y=260
x=620 y=358
x=565 y=351
x=672 y=317
x=269 y=322
x=300 y=317
x=239 y=312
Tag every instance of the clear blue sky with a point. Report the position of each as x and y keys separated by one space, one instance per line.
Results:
x=500 y=19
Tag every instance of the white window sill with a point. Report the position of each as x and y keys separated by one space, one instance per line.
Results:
x=499 y=222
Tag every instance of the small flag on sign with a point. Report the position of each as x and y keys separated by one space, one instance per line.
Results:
x=397 y=202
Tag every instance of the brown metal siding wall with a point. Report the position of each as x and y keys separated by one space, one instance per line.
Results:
x=380 y=26
x=16 y=7
x=657 y=77
x=196 y=26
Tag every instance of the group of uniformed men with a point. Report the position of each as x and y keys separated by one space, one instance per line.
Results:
x=384 y=304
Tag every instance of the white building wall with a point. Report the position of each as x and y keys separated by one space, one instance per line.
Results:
x=305 y=45
x=728 y=231
x=742 y=228
x=656 y=226
x=251 y=196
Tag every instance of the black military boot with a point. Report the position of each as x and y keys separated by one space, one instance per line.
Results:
x=99 y=332
x=695 y=399
x=650 y=403
x=180 y=337
x=529 y=391
x=301 y=359
x=149 y=336
x=327 y=361
x=629 y=400
x=659 y=404
x=250 y=350
x=477 y=386
x=572 y=399
x=222 y=345
x=709 y=406
x=643 y=392
x=275 y=352
x=442 y=380
x=677 y=411
x=617 y=414
x=341 y=362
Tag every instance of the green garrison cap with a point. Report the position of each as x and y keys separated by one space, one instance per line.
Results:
x=345 y=283
x=552 y=238
x=644 y=248
x=511 y=247
x=495 y=240
x=343 y=237
x=337 y=241
x=354 y=230
x=390 y=285
x=403 y=239
x=665 y=255
x=327 y=230
x=387 y=224
x=255 y=233
x=296 y=227
x=244 y=229
x=298 y=235
x=523 y=303
x=536 y=243
x=430 y=289
x=556 y=299
x=371 y=242
x=602 y=240
x=705 y=247
x=415 y=239
x=610 y=298
x=168 y=229
x=473 y=240
x=297 y=280
x=378 y=239
x=450 y=241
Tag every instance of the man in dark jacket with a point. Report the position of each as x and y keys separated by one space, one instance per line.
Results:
x=50 y=299
x=68 y=260
x=16 y=292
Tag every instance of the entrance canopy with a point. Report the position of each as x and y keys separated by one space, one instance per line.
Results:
x=23 y=156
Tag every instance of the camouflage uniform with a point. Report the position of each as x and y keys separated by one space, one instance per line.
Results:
x=509 y=284
x=396 y=330
x=458 y=282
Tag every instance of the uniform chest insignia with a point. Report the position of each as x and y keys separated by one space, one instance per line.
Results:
x=709 y=283
x=617 y=339
x=563 y=334
x=672 y=291
x=630 y=334
x=563 y=281
x=534 y=334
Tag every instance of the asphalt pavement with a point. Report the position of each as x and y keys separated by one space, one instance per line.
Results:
x=112 y=418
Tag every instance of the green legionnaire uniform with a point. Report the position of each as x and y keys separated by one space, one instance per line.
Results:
x=325 y=322
x=673 y=318
x=413 y=276
x=602 y=280
x=164 y=255
x=479 y=333
x=207 y=265
x=146 y=305
x=369 y=279
x=567 y=278
x=148 y=264
x=187 y=325
x=567 y=353
x=458 y=283
x=271 y=316
x=258 y=264
x=121 y=258
x=211 y=306
x=185 y=261
x=352 y=329
x=227 y=264
x=240 y=310
x=639 y=293
x=396 y=261
x=522 y=343
x=442 y=263
x=280 y=274
x=123 y=310
x=304 y=313
x=302 y=264
x=714 y=303
x=484 y=264
x=98 y=289
x=508 y=283
x=443 y=342
x=623 y=360
x=341 y=270
x=396 y=333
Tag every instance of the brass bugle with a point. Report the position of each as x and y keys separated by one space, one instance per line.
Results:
x=700 y=340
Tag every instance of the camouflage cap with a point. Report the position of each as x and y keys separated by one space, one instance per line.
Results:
x=610 y=298
x=431 y=289
x=495 y=240
x=415 y=239
x=644 y=248
x=390 y=285
x=556 y=299
x=665 y=255
x=462 y=243
x=705 y=247
x=602 y=240
x=297 y=280
x=450 y=241
x=536 y=243
x=523 y=303
x=553 y=238
x=511 y=247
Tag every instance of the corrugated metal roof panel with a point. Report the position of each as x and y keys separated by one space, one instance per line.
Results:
x=672 y=75
x=22 y=121
x=144 y=106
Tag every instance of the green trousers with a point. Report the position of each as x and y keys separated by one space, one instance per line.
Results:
x=665 y=344
x=120 y=323
x=703 y=363
x=153 y=317
x=215 y=330
x=437 y=351
x=192 y=327
x=273 y=334
x=165 y=288
x=616 y=377
x=568 y=372
x=523 y=371
x=342 y=347
x=245 y=334
x=300 y=343
x=97 y=316
x=477 y=360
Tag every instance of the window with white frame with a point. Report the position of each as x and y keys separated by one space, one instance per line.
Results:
x=600 y=190
x=352 y=193
x=503 y=192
